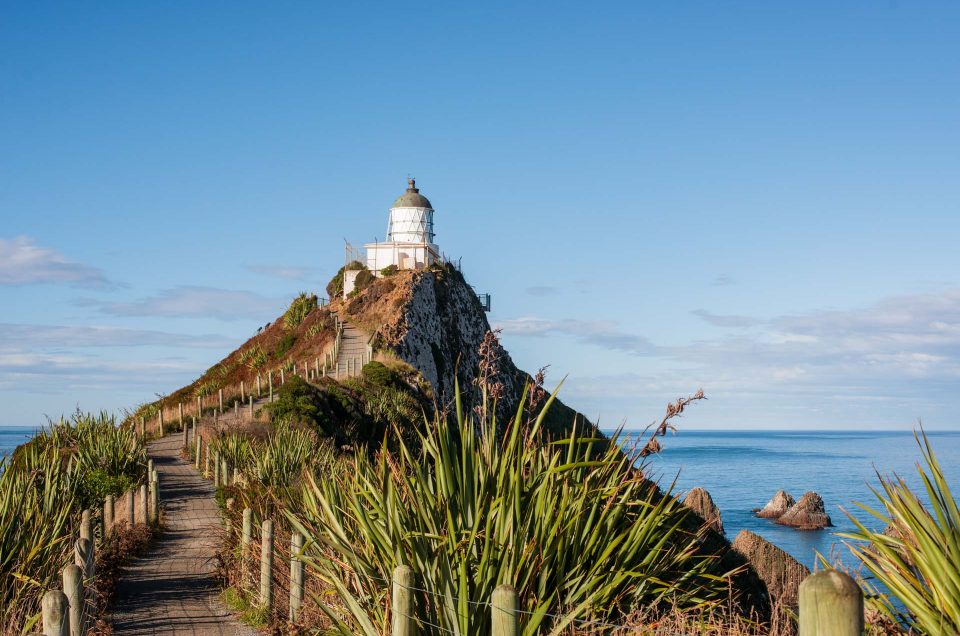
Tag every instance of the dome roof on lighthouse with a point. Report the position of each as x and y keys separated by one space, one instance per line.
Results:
x=412 y=197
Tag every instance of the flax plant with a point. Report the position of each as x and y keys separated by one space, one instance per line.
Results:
x=572 y=524
x=917 y=558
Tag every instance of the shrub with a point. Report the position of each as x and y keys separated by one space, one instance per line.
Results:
x=295 y=403
x=254 y=357
x=299 y=309
x=917 y=557
x=378 y=374
x=389 y=271
x=573 y=526
x=335 y=286
x=364 y=279
x=286 y=343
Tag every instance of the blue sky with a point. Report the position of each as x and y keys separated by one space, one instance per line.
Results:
x=759 y=199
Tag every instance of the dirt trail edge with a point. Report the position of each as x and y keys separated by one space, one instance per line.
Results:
x=172 y=590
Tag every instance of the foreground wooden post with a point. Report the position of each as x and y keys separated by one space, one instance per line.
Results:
x=251 y=408
x=73 y=590
x=282 y=379
x=259 y=392
x=144 y=502
x=199 y=408
x=221 y=400
x=155 y=500
x=216 y=470
x=86 y=526
x=143 y=428
x=199 y=441
x=296 y=575
x=266 y=564
x=108 y=517
x=503 y=607
x=402 y=623
x=831 y=604
x=56 y=614
x=243 y=391
x=182 y=423
x=225 y=479
x=160 y=421
x=206 y=464
x=129 y=498
x=83 y=556
x=270 y=384
x=246 y=533
x=186 y=435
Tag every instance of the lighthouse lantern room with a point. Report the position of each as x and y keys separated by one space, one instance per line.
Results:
x=410 y=237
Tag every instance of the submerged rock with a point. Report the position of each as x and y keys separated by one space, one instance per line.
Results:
x=780 y=572
x=700 y=501
x=807 y=514
x=775 y=508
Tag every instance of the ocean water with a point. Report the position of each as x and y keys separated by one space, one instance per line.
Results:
x=13 y=436
x=743 y=470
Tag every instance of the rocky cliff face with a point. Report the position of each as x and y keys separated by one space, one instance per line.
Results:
x=434 y=321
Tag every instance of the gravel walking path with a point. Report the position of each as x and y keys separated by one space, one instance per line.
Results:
x=171 y=590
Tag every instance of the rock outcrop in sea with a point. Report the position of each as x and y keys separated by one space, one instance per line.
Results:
x=807 y=514
x=780 y=572
x=777 y=506
x=700 y=501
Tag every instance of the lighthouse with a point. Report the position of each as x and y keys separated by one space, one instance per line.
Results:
x=410 y=236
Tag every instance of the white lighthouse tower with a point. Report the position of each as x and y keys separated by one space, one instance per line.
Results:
x=410 y=235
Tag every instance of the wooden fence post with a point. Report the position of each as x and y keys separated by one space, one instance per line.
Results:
x=144 y=503
x=246 y=533
x=221 y=399
x=83 y=556
x=129 y=498
x=270 y=384
x=206 y=462
x=503 y=608
x=251 y=408
x=282 y=379
x=182 y=423
x=225 y=467
x=76 y=600
x=199 y=441
x=266 y=564
x=160 y=421
x=296 y=575
x=56 y=614
x=86 y=526
x=243 y=391
x=108 y=516
x=186 y=435
x=143 y=428
x=155 y=500
x=831 y=604
x=402 y=621
x=259 y=387
x=199 y=408
x=216 y=470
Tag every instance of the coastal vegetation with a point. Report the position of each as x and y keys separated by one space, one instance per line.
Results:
x=44 y=486
x=915 y=559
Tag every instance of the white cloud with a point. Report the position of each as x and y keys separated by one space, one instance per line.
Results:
x=194 y=301
x=719 y=320
x=23 y=262
x=27 y=337
x=286 y=272
x=600 y=333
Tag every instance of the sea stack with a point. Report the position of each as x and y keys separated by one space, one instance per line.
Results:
x=807 y=514
x=780 y=572
x=700 y=501
x=776 y=507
